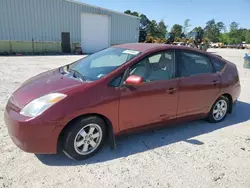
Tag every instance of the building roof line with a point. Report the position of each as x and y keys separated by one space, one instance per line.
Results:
x=93 y=6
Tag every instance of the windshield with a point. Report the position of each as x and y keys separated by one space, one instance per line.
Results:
x=102 y=63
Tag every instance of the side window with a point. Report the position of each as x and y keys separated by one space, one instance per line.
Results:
x=116 y=82
x=218 y=65
x=194 y=64
x=155 y=67
x=155 y=58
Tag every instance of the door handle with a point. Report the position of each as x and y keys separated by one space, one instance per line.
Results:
x=171 y=90
x=215 y=82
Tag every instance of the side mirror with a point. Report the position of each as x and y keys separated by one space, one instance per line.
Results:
x=134 y=81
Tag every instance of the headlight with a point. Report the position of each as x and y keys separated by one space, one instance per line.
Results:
x=39 y=105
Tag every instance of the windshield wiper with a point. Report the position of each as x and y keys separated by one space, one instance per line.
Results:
x=76 y=73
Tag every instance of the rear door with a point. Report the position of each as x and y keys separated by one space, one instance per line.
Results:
x=199 y=83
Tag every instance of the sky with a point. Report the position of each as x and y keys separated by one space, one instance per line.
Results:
x=176 y=11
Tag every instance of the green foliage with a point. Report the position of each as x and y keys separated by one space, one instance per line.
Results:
x=213 y=31
x=197 y=33
x=233 y=26
x=225 y=38
x=186 y=26
x=177 y=30
x=127 y=12
x=248 y=36
x=157 y=29
x=221 y=26
x=131 y=13
x=235 y=36
x=152 y=27
x=198 y=29
x=162 y=29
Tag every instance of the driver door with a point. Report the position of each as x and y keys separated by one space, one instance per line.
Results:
x=154 y=101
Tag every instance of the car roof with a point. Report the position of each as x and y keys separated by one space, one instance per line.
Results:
x=142 y=47
x=146 y=47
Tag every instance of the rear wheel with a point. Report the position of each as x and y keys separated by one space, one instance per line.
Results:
x=84 y=138
x=219 y=110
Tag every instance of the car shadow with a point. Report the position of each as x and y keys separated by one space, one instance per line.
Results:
x=141 y=142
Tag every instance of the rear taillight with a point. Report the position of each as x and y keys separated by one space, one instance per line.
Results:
x=237 y=75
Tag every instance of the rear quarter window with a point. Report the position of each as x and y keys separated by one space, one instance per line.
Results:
x=218 y=64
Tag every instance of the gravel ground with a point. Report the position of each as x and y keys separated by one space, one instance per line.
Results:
x=194 y=154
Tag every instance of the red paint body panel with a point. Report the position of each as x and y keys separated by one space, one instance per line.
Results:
x=31 y=135
x=128 y=109
x=149 y=103
x=197 y=93
x=48 y=82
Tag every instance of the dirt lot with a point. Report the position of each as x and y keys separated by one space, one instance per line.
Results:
x=196 y=154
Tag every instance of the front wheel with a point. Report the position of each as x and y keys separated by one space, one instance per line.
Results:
x=219 y=110
x=84 y=138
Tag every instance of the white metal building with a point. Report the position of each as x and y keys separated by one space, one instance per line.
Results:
x=61 y=25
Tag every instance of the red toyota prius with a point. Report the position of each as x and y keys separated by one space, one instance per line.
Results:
x=121 y=89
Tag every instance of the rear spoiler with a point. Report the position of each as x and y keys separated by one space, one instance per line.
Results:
x=218 y=55
x=215 y=54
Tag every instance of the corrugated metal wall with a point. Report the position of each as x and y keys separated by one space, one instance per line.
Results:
x=44 y=20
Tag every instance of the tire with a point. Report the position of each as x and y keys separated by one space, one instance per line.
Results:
x=212 y=117
x=79 y=138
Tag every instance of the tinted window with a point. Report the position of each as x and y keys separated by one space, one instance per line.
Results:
x=116 y=82
x=193 y=64
x=155 y=58
x=218 y=65
x=156 y=67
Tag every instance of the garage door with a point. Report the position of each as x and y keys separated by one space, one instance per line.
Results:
x=94 y=32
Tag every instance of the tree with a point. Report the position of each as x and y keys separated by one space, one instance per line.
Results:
x=148 y=27
x=233 y=26
x=247 y=37
x=212 y=30
x=221 y=26
x=131 y=13
x=235 y=34
x=186 y=26
x=152 y=28
x=177 y=30
x=143 y=25
x=225 y=38
x=242 y=32
x=144 y=21
x=198 y=32
x=162 y=29
x=128 y=12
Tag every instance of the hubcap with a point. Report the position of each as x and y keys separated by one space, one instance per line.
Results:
x=220 y=110
x=88 y=139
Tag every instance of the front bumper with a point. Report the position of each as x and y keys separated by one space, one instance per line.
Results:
x=32 y=134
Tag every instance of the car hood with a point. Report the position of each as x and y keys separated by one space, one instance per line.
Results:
x=42 y=84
